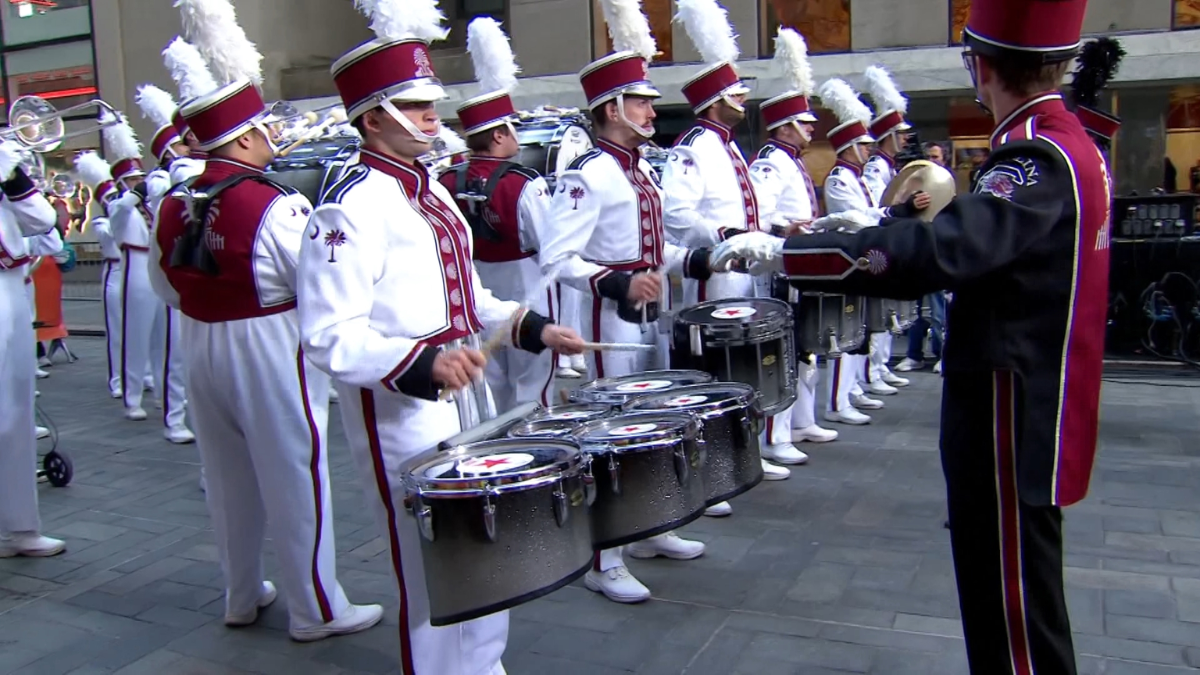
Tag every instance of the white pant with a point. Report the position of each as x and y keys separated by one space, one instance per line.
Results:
x=260 y=412
x=18 y=443
x=112 y=321
x=881 y=354
x=845 y=372
x=143 y=328
x=514 y=375
x=386 y=429
x=172 y=375
x=802 y=413
x=568 y=301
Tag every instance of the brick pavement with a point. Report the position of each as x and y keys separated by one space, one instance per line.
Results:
x=844 y=568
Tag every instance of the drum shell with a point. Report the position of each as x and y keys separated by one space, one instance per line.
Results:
x=825 y=323
x=652 y=499
x=894 y=316
x=468 y=575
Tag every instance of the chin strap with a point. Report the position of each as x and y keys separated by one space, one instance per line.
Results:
x=644 y=133
x=800 y=130
x=733 y=104
x=266 y=132
x=408 y=125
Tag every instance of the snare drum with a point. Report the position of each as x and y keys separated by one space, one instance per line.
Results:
x=826 y=323
x=648 y=469
x=730 y=424
x=559 y=421
x=616 y=390
x=501 y=522
x=746 y=340
x=549 y=143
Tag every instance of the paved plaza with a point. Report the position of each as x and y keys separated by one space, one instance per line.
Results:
x=844 y=568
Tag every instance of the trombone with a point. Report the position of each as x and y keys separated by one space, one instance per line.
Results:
x=39 y=127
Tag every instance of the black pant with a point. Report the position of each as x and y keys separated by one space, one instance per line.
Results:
x=1007 y=553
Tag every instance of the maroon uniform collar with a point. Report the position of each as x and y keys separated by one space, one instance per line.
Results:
x=886 y=157
x=1039 y=105
x=625 y=157
x=224 y=167
x=719 y=129
x=787 y=148
x=853 y=168
x=413 y=178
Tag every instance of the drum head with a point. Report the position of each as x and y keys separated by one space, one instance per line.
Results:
x=699 y=399
x=618 y=389
x=559 y=428
x=574 y=414
x=743 y=311
x=574 y=142
x=633 y=429
x=498 y=462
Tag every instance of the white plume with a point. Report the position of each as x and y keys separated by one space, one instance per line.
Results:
x=454 y=143
x=629 y=28
x=492 y=56
x=843 y=101
x=212 y=26
x=884 y=92
x=707 y=25
x=188 y=69
x=157 y=105
x=404 y=19
x=791 y=58
x=119 y=140
x=92 y=169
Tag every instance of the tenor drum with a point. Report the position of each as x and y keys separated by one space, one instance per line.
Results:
x=314 y=167
x=730 y=424
x=559 y=421
x=826 y=323
x=648 y=468
x=549 y=143
x=615 y=391
x=501 y=522
x=747 y=340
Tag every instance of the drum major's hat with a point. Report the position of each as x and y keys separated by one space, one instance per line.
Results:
x=486 y=111
x=712 y=83
x=386 y=70
x=1097 y=122
x=221 y=116
x=790 y=106
x=1047 y=30
x=622 y=73
x=163 y=139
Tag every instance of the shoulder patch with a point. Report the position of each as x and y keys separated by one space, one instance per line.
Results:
x=1003 y=179
x=765 y=151
x=353 y=176
x=577 y=163
x=688 y=137
x=528 y=173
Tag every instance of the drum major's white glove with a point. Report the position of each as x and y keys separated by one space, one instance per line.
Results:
x=844 y=221
x=763 y=251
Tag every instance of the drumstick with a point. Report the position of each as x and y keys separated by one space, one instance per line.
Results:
x=617 y=347
x=493 y=343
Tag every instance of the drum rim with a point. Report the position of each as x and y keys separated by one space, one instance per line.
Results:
x=542 y=414
x=525 y=424
x=665 y=374
x=691 y=426
x=746 y=397
x=478 y=486
x=713 y=304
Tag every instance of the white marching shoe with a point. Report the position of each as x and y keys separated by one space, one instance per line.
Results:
x=617 y=584
x=784 y=453
x=908 y=365
x=116 y=393
x=41 y=432
x=333 y=395
x=30 y=545
x=894 y=379
x=881 y=388
x=578 y=363
x=865 y=403
x=668 y=545
x=135 y=414
x=265 y=599
x=774 y=471
x=719 y=510
x=848 y=415
x=567 y=373
x=937 y=367
x=355 y=619
x=41 y=374
x=814 y=434
x=180 y=435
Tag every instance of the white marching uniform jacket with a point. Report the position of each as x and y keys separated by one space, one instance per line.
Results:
x=708 y=197
x=24 y=212
x=847 y=190
x=183 y=168
x=158 y=183
x=381 y=290
x=605 y=224
x=877 y=173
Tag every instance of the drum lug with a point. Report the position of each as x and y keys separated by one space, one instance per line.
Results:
x=614 y=474
x=793 y=295
x=695 y=341
x=702 y=449
x=896 y=330
x=589 y=483
x=489 y=517
x=561 y=511
x=683 y=469
x=834 y=349
x=424 y=516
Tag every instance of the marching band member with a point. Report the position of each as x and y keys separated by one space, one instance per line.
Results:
x=1026 y=256
x=193 y=79
x=96 y=174
x=890 y=131
x=507 y=201
x=787 y=201
x=259 y=407
x=24 y=212
x=605 y=237
x=708 y=195
x=167 y=145
x=1097 y=64
x=142 y=321
x=845 y=190
x=368 y=316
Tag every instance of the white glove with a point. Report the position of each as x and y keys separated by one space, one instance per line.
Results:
x=845 y=221
x=763 y=251
x=10 y=158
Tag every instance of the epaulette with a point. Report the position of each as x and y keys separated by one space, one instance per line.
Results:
x=577 y=163
x=765 y=151
x=353 y=176
x=689 y=136
x=528 y=173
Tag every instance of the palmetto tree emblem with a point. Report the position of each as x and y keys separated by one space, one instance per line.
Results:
x=334 y=239
x=576 y=194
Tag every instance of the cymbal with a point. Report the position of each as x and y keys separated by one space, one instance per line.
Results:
x=922 y=176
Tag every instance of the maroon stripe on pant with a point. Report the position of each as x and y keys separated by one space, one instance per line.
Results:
x=108 y=336
x=596 y=300
x=385 y=495
x=553 y=355
x=166 y=388
x=314 y=470
x=833 y=392
x=1010 y=526
x=125 y=328
x=867 y=369
x=702 y=291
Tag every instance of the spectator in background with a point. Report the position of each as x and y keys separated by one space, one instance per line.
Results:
x=935 y=153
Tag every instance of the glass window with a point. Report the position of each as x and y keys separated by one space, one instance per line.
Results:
x=61 y=74
x=39 y=20
x=825 y=24
x=959 y=10
x=658 y=13
x=1187 y=14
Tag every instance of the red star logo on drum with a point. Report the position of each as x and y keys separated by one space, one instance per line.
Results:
x=639 y=385
x=490 y=463
x=728 y=312
x=629 y=430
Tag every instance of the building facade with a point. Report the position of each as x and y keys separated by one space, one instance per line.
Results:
x=67 y=49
